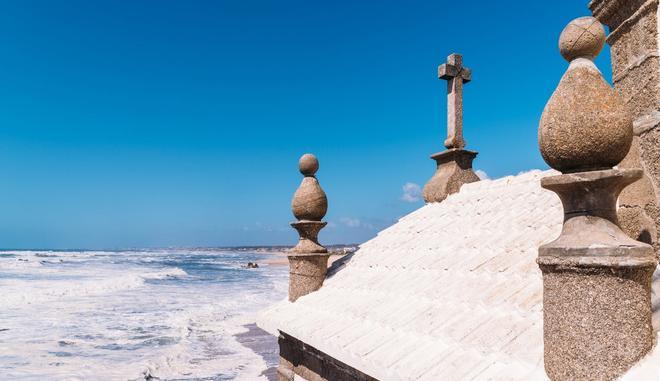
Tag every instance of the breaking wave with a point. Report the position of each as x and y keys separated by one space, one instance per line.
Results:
x=131 y=315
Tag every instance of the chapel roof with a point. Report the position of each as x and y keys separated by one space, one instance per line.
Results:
x=452 y=291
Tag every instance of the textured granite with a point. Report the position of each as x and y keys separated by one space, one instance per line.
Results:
x=650 y=148
x=597 y=321
x=306 y=274
x=635 y=55
x=309 y=202
x=453 y=170
x=582 y=37
x=456 y=75
x=454 y=165
x=587 y=272
x=309 y=233
x=585 y=125
x=614 y=12
x=308 y=260
x=597 y=312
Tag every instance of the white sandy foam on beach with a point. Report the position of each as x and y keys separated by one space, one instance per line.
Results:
x=127 y=316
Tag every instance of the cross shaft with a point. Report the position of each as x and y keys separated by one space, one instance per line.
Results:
x=456 y=75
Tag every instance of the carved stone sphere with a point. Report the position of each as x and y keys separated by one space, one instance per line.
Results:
x=582 y=37
x=308 y=164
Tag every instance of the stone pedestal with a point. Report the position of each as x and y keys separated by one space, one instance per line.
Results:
x=309 y=237
x=454 y=168
x=596 y=282
x=308 y=260
x=306 y=273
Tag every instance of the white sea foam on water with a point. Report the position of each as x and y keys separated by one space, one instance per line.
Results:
x=131 y=315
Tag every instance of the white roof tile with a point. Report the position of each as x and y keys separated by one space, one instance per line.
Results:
x=452 y=291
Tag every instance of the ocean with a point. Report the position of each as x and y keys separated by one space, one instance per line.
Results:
x=133 y=315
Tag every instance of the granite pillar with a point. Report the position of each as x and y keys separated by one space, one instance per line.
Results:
x=596 y=279
x=635 y=52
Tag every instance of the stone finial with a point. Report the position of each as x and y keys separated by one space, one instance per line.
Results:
x=308 y=259
x=454 y=165
x=585 y=125
x=309 y=202
x=592 y=266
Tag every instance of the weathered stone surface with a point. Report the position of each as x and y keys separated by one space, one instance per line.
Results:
x=590 y=218
x=640 y=88
x=596 y=279
x=308 y=164
x=308 y=260
x=297 y=357
x=582 y=37
x=634 y=41
x=585 y=125
x=650 y=149
x=650 y=153
x=454 y=168
x=614 y=12
x=309 y=202
x=309 y=233
x=306 y=274
x=637 y=202
x=597 y=321
x=635 y=53
x=635 y=222
x=455 y=75
x=641 y=192
x=587 y=272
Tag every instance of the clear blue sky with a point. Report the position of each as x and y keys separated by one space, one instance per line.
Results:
x=179 y=123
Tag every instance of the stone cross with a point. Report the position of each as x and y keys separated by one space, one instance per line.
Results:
x=455 y=75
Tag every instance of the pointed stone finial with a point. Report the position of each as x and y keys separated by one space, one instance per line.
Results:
x=585 y=125
x=309 y=202
x=593 y=266
x=454 y=165
x=308 y=259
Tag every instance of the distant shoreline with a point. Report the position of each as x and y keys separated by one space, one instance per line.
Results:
x=334 y=249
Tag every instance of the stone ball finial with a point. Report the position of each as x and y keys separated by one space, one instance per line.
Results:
x=585 y=125
x=308 y=164
x=309 y=202
x=583 y=37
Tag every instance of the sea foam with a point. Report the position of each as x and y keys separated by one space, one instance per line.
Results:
x=131 y=315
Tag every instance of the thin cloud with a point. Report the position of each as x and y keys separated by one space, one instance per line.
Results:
x=411 y=192
x=355 y=223
x=482 y=175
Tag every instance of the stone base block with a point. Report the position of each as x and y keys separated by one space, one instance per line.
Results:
x=597 y=321
x=454 y=168
x=306 y=274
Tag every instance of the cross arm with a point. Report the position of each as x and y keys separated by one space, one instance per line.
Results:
x=447 y=72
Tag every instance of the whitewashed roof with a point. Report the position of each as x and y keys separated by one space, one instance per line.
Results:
x=450 y=292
